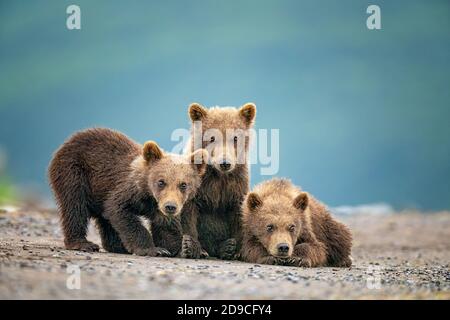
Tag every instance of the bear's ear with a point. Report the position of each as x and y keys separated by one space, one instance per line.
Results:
x=253 y=201
x=152 y=152
x=301 y=201
x=197 y=112
x=199 y=160
x=248 y=113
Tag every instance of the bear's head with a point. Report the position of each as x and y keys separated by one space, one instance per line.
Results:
x=172 y=178
x=276 y=222
x=224 y=133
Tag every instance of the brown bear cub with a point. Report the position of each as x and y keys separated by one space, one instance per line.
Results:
x=102 y=174
x=285 y=226
x=211 y=221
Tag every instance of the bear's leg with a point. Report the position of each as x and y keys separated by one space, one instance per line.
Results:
x=72 y=195
x=339 y=244
x=228 y=249
x=190 y=245
x=110 y=238
x=135 y=237
x=312 y=254
x=167 y=234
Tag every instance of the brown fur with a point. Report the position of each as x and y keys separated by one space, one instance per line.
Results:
x=102 y=174
x=283 y=225
x=211 y=222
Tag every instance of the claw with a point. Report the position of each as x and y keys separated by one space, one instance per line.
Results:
x=162 y=252
x=204 y=254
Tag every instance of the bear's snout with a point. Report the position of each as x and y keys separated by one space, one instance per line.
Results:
x=170 y=207
x=225 y=165
x=283 y=249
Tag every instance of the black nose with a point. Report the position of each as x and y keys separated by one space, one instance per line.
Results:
x=283 y=248
x=225 y=165
x=170 y=207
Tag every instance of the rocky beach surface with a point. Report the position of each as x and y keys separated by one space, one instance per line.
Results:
x=395 y=256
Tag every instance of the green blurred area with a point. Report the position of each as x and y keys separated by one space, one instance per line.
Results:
x=7 y=190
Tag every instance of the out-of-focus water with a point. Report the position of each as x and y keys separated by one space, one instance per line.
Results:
x=363 y=115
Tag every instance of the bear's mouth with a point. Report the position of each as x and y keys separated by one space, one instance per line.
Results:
x=224 y=168
x=282 y=255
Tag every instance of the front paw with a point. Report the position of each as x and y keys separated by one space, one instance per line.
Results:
x=228 y=249
x=152 y=252
x=293 y=262
x=268 y=260
x=190 y=249
x=83 y=245
x=300 y=262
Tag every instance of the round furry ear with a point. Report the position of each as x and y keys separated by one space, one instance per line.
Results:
x=197 y=112
x=248 y=112
x=253 y=201
x=199 y=159
x=301 y=201
x=152 y=152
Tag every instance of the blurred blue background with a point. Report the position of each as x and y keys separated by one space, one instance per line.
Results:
x=363 y=115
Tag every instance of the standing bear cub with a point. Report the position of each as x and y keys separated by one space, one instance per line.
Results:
x=102 y=174
x=211 y=221
x=283 y=225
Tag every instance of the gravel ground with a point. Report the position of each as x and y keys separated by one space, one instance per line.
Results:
x=401 y=256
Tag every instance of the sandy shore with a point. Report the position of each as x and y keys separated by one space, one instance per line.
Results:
x=401 y=256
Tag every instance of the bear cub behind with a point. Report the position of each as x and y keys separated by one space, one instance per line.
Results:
x=104 y=175
x=286 y=226
x=211 y=221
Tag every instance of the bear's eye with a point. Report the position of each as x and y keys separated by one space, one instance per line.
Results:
x=291 y=228
x=183 y=186
x=161 y=183
x=270 y=228
x=212 y=139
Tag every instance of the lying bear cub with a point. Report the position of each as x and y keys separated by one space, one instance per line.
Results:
x=102 y=174
x=283 y=225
